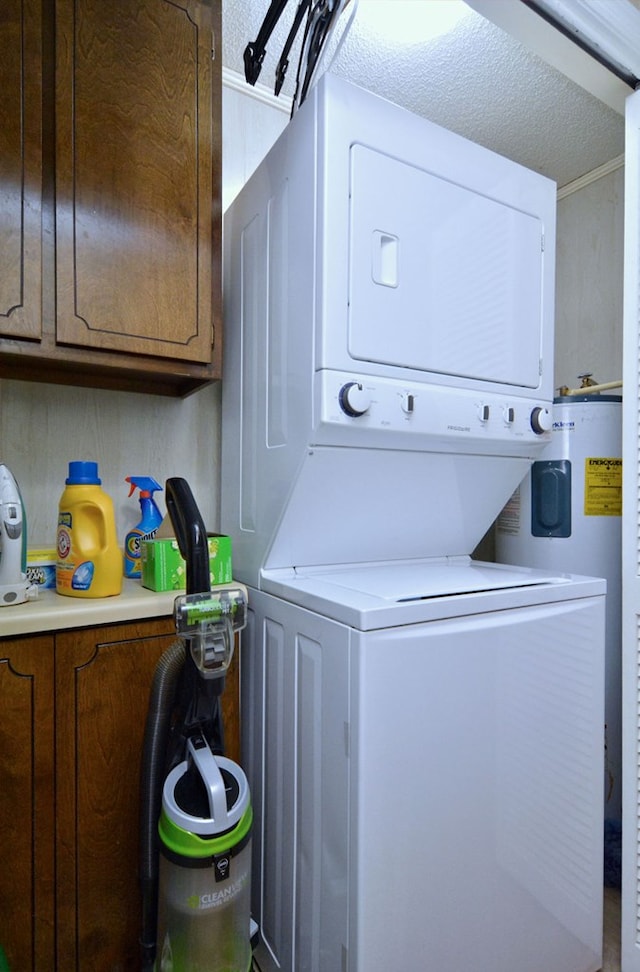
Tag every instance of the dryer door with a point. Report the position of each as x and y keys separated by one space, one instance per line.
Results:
x=443 y=279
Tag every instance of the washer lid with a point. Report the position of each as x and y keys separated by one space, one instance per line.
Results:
x=408 y=592
x=417 y=581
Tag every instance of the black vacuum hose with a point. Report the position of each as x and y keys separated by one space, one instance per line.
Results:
x=154 y=753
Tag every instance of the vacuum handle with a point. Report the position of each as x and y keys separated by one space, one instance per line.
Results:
x=209 y=771
x=190 y=534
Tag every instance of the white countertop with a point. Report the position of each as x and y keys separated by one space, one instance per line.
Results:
x=55 y=612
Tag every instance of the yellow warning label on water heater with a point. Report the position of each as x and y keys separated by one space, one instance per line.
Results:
x=602 y=487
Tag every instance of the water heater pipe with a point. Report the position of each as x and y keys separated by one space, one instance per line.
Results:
x=590 y=389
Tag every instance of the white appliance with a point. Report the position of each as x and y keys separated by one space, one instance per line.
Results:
x=422 y=733
x=566 y=515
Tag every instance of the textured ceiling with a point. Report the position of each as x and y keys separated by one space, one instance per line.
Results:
x=476 y=80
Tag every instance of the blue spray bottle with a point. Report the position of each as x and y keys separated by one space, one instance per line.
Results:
x=146 y=528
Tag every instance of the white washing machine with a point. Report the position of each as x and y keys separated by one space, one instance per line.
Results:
x=422 y=733
x=422 y=767
x=566 y=515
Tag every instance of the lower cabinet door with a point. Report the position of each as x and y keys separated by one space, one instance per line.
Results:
x=27 y=894
x=103 y=678
x=102 y=685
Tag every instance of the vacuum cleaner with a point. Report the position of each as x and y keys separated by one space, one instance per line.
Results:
x=196 y=811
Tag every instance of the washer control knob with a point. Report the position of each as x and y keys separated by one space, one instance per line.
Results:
x=354 y=399
x=541 y=420
x=509 y=414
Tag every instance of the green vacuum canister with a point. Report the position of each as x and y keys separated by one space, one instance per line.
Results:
x=205 y=866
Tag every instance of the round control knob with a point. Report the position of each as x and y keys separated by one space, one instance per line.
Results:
x=541 y=420
x=354 y=399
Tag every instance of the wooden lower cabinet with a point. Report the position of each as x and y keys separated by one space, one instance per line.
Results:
x=69 y=894
x=27 y=890
x=103 y=677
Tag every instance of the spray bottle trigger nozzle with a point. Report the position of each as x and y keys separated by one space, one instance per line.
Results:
x=146 y=484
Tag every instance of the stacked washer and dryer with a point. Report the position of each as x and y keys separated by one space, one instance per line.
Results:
x=422 y=732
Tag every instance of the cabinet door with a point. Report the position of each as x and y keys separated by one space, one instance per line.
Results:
x=134 y=185
x=20 y=168
x=103 y=678
x=27 y=803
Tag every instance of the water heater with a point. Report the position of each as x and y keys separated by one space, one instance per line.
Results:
x=566 y=516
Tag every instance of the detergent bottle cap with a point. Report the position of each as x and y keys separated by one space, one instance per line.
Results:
x=83 y=474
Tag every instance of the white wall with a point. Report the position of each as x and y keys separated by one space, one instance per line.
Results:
x=589 y=280
x=43 y=427
x=252 y=119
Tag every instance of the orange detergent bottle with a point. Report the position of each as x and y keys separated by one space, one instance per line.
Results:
x=89 y=559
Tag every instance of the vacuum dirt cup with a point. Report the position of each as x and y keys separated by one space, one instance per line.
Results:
x=205 y=866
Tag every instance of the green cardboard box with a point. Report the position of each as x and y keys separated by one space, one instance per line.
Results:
x=163 y=568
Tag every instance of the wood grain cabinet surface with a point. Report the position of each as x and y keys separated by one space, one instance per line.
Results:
x=27 y=867
x=110 y=184
x=21 y=174
x=72 y=715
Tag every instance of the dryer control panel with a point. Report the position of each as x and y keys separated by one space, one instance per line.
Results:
x=362 y=410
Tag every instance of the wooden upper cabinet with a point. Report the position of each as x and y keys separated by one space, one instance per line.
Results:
x=110 y=193
x=134 y=179
x=21 y=168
